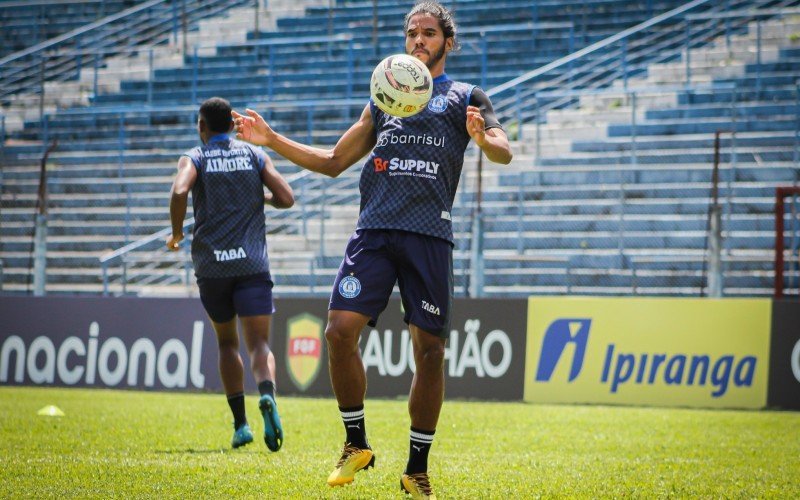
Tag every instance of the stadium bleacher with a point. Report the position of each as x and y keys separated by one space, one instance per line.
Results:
x=595 y=202
x=646 y=185
x=26 y=23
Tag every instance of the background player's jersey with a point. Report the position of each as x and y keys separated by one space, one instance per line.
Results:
x=228 y=201
x=410 y=179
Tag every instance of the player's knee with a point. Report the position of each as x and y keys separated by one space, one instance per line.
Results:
x=225 y=343
x=340 y=339
x=431 y=355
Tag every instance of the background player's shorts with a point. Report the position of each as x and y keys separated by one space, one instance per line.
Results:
x=223 y=298
x=421 y=265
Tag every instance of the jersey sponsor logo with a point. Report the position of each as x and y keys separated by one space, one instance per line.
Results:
x=389 y=137
x=438 y=104
x=349 y=287
x=303 y=349
x=232 y=254
x=431 y=308
x=408 y=167
x=422 y=166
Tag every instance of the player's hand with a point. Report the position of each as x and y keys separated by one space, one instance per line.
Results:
x=173 y=242
x=476 y=125
x=252 y=128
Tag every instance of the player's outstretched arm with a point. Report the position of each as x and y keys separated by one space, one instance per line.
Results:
x=351 y=147
x=493 y=142
x=178 y=201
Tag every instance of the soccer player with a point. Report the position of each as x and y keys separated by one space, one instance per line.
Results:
x=229 y=252
x=404 y=235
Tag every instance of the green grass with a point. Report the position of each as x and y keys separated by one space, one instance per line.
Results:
x=176 y=445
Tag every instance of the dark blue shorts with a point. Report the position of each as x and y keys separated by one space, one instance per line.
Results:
x=224 y=298
x=422 y=266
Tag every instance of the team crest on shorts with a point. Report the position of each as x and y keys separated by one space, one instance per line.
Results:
x=349 y=287
x=438 y=104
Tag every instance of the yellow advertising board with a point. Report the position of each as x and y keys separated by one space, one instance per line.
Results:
x=648 y=351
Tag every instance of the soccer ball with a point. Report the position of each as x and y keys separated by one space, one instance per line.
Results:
x=401 y=85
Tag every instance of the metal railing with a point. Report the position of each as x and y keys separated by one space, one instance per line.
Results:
x=524 y=192
x=616 y=59
x=145 y=261
x=667 y=37
x=631 y=97
x=60 y=58
x=787 y=256
x=356 y=59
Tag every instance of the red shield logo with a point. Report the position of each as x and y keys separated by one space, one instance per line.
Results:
x=303 y=349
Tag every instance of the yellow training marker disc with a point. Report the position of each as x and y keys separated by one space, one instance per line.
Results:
x=50 y=411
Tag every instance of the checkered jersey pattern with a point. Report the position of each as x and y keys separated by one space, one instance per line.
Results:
x=410 y=179
x=229 y=236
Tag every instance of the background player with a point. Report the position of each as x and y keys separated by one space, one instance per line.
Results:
x=229 y=252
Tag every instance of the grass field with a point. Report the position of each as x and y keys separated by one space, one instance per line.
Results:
x=176 y=445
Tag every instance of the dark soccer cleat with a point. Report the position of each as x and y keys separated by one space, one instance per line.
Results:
x=417 y=485
x=352 y=460
x=273 y=432
x=242 y=436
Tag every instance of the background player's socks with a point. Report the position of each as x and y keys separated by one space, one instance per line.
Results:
x=420 y=445
x=266 y=387
x=236 y=402
x=354 y=426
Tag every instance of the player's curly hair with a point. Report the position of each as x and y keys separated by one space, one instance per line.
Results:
x=437 y=10
x=216 y=112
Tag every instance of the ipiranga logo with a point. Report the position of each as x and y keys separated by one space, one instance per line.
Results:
x=623 y=366
x=560 y=333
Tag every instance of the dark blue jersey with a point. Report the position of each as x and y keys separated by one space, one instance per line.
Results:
x=229 y=237
x=410 y=179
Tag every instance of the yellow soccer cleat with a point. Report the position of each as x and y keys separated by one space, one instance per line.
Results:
x=353 y=460
x=417 y=485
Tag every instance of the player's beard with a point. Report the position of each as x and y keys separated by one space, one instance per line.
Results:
x=434 y=58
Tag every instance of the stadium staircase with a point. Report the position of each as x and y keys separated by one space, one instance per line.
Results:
x=109 y=176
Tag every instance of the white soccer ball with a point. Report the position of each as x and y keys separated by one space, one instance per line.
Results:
x=401 y=85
